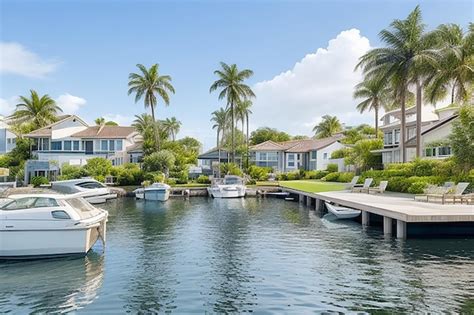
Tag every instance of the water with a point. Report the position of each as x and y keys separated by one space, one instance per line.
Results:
x=248 y=255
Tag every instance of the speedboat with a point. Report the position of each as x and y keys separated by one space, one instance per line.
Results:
x=342 y=212
x=156 y=191
x=230 y=187
x=49 y=225
x=94 y=191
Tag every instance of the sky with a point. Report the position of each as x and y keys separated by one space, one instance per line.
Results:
x=302 y=53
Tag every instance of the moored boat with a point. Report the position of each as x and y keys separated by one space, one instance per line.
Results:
x=156 y=191
x=342 y=212
x=230 y=187
x=49 y=225
x=94 y=191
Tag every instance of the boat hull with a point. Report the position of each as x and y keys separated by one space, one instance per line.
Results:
x=153 y=194
x=343 y=212
x=226 y=192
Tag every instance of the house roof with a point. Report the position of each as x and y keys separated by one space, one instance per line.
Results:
x=427 y=129
x=136 y=147
x=296 y=146
x=104 y=131
x=46 y=130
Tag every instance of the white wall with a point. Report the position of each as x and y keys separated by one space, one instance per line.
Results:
x=62 y=158
x=322 y=163
x=66 y=128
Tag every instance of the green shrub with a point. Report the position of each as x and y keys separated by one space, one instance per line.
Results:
x=332 y=167
x=230 y=169
x=251 y=182
x=281 y=177
x=259 y=173
x=98 y=167
x=37 y=181
x=72 y=172
x=345 y=177
x=293 y=175
x=203 y=179
x=341 y=153
x=161 y=161
x=417 y=187
x=331 y=177
x=171 y=181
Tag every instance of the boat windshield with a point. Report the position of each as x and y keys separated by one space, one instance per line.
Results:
x=233 y=181
x=90 y=185
x=82 y=207
x=29 y=202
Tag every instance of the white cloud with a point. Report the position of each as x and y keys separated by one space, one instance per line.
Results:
x=16 y=59
x=7 y=106
x=122 y=120
x=70 y=104
x=321 y=83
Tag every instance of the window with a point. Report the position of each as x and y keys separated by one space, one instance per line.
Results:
x=387 y=138
x=56 y=145
x=263 y=156
x=111 y=145
x=313 y=155
x=119 y=145
x=43 y=144
x=75 y=145
x=22 y=203
x=13 y=140
x=291 y=160
x=9 y=141
x=103 y=145
x=325 y=155
x=443 y=151
x=272 y=156
x=60 y=214
x=90 y=185
x=46 y=202
x=67 y=145
x=430 y=152
x=397 y=136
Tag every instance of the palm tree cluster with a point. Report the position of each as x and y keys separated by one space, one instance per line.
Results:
x=432 y=64
x=328 y=127
x=237 y=95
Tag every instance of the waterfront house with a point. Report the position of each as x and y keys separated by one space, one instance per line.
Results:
x=209 y=160
x=71 y=140
x=436 y=128
x=7 y=137
x=307 y=154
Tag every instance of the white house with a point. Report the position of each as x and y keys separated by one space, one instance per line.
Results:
x=7 y=137
x=71 y=140
x=436 y=128
x=308 y=154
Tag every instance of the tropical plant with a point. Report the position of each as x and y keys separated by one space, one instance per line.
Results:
x=266 y=133
x=100 y=121
x=171 y=126
x=148 y=85
x=403 y=62
x=375 y=93
x=329 y=126
x=35 y=111
x=220 y=119
x=144 y=125
x=231 y=84
x=159 y=161
x=462 y=138
x=243 y=111
x=455 y=67
x=361 y=154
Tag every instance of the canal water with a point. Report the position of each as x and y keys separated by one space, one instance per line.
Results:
x=243 y=255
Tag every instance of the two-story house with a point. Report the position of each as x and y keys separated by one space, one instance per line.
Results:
x=7 y=137
x=308 y=154
x=436 y=128
x=71 y=140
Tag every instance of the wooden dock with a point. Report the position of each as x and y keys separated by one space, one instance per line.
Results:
x=391 y=206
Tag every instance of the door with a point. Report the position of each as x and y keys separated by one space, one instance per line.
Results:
x=89 y=147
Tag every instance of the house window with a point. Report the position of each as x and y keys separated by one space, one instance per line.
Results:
x=397 y=136
x=111 y=145
x=313 y=155
x=387 y=138
x=444 y=151
x=430 y=152
x=43 y=144
x=75 y=145
x=263 y=156
x=56 y=145
x=291 y=160
x=118 y=145
x=325 y=155
x=67 y=145
x=9 y=141
x=103 y=145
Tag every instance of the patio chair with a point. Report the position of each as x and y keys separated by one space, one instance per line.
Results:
x=452 y=193
x=353 y=183
x=431 y=190
x=365 y=187
x=380 y=188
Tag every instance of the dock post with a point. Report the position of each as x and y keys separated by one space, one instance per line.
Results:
x=301 y=198
x=308 y=201
x=318 y=204
x=401 y=229
x=365 y=218
x=387 y=226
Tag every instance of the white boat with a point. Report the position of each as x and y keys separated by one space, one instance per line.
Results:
x=95 y=192
x=49 y=225
x=156 y=191
x=342 y=212
x=230 y=186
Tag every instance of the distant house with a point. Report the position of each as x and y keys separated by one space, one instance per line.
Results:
x=209 y=160
x=308 y=154
x=7 y=137
x=436 y=128
x=71 y=140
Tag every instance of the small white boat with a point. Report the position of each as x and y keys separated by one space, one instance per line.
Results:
x=342 y=212
x=230 y=187
x=156 y=191
x=94 y=191
x=49 y=225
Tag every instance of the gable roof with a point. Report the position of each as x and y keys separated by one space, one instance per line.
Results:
x=104 y=131
x=412 y=140
x=268 y=146
x=46 y=130
x=295 y=146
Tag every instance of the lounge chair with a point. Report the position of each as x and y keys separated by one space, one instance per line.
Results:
x=380 y=188
x=353 y=183
x=452 y=193
x=365 y=187
x=431 y=190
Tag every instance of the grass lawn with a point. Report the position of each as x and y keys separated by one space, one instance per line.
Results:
x=312 y=185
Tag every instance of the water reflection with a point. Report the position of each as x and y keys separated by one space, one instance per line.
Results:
x=43 y=286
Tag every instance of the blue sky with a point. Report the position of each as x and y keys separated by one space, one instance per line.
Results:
x=84 y=51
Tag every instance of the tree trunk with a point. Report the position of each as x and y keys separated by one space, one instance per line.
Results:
x=452 y=92
x=232 y=158
x=403 y=156
x=242 y=158
x=418 y=117
x=155 y=131
x=247 y=142
x=219 y=156
x=376 y=109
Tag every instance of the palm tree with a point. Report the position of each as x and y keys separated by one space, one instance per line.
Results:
x=375 y=93
x=220 y=118
x=232 y=87
x=455 y=71
x=328 y=127
x=243 y=111
x=100 y=121
x=148 y=85
x=35 y=110
x=402 y=62
x=145 y=126
x=171 y=127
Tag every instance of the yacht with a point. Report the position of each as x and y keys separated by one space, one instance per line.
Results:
x=49 y=225
x=230 y=186
x=94 y=191
x=156 y=191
